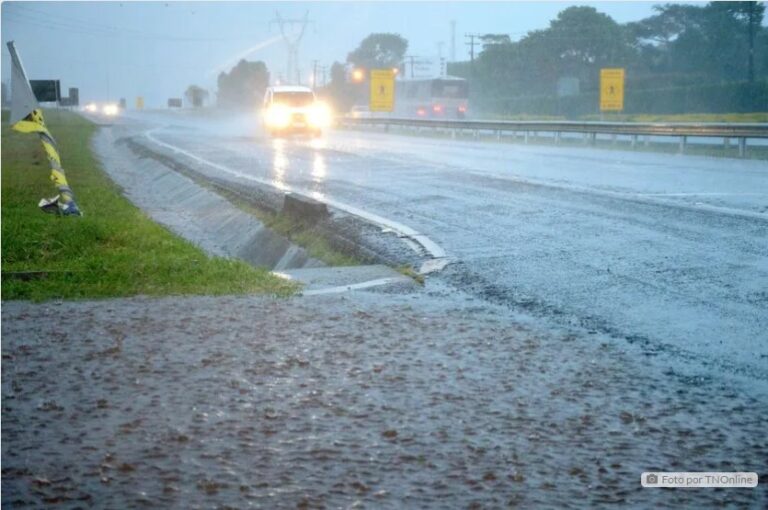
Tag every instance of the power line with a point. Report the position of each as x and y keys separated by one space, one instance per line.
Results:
x=72 y=25
x=292 y=43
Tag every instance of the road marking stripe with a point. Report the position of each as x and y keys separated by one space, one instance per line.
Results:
x=643 y=198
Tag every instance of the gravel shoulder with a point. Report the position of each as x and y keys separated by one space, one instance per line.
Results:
x=421 y=400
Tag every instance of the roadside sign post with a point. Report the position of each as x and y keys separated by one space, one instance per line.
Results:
x=382 y=98
x=612 y=89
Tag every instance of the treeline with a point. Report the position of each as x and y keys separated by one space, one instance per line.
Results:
x=684 y=58
x=243 y=85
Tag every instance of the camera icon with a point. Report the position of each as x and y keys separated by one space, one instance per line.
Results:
x=651 y=479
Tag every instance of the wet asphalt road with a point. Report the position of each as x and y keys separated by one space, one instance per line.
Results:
x=662 y=251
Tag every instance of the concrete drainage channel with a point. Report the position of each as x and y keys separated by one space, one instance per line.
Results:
x=189 y=202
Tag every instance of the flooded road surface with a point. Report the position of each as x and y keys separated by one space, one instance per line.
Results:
x=664 y=251
x=433 y=399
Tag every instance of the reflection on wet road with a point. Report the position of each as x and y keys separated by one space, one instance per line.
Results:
x=279 y=163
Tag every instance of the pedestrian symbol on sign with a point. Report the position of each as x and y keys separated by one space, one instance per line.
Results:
x=382 y=91
x=611 y=89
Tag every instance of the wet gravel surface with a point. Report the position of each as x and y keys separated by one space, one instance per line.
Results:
x=365 y=400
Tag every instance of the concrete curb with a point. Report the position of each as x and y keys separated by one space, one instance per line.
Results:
x=438 y=258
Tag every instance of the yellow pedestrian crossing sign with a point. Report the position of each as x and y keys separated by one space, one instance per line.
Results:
x=611 y=89
x=382 y=90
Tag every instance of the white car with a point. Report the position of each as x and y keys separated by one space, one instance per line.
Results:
x=294 y=109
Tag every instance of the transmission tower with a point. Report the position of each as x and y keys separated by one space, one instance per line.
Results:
x=292 y=38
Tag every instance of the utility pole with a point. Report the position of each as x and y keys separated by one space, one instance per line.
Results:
x=314 y=74
x=471 y=43
x=453 y=40
x=412 y=59
x=751 y=62
x=292 y=41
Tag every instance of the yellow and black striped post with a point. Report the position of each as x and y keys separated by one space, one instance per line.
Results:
x=27 y=117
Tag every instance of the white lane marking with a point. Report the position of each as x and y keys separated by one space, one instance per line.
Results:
x=630 y=195
x=354 y=286
x=431 y=247
x=433 y=265
x=703 y=194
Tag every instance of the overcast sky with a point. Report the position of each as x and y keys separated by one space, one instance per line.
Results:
x=156 y=49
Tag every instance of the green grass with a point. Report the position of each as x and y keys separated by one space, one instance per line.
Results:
x=411 y=273
x=115 y=249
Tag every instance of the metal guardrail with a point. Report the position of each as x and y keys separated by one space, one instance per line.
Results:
x=740 y=132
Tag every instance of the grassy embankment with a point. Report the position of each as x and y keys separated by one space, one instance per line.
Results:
x=114 y=249
x=748 y=118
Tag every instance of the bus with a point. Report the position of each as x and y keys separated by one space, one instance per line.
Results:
x=443 y=98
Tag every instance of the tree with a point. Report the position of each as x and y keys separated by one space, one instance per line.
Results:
x=379 y=51
x=750 y=14
x=713 y=42
x=678 y=46
x=244 y=85
x=196 y=95
x=577 y=44
x=341 y=93
x=585 y=41
x=489 y=40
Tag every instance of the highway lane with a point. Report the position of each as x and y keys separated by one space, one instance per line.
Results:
x=665 y=253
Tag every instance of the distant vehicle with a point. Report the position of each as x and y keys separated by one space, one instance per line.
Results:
x=294 y=109
x=108 y=109
x=444 y=97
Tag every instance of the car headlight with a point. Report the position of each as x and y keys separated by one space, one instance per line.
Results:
x=91 y=107
x=277 y=116
x=110 y=109
x=320 y=115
